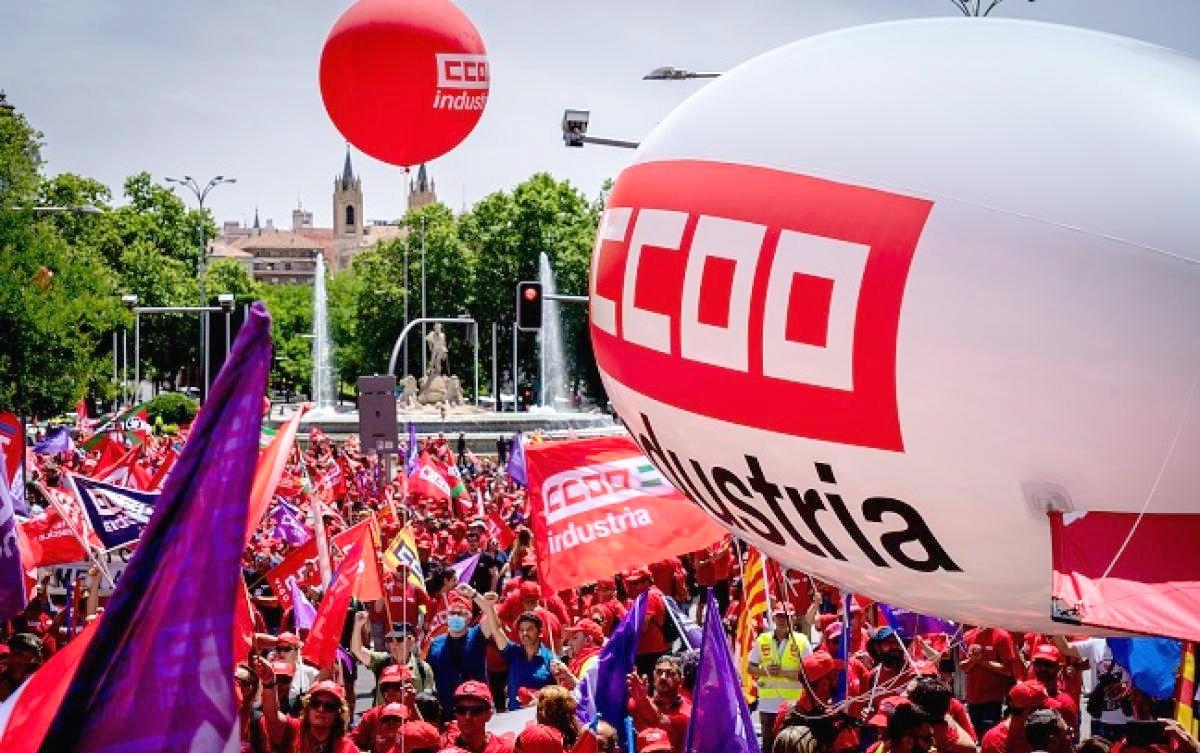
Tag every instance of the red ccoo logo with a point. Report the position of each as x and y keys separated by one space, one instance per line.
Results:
x=756 y=296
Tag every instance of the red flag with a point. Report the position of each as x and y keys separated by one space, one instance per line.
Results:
x=499 y=530
x=270 y=469
x=111 y=450
x=243 y=623
x=359 y=542
x=127 y=471
x=30 y=713
x=320 y=649
x=598 y=506
x=427 y=480
x=49 y=541
x=161 y=474
x=290 y=568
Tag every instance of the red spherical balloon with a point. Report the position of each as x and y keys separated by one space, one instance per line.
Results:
x=405 y=81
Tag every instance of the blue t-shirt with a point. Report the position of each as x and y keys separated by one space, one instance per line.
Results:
x=524 y=672
x=454 y=661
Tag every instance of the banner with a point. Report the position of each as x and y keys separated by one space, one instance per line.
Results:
x=320 y=649
x=499 y=530
x=117 y=515
x=51 y=540
x=402 y=552
x=428 y=481
x=598 y=506
x=12 y=445
x=292 y=568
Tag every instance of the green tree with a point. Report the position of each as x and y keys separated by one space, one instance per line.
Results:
x=229 y=276
x=291 y=321
x=57 y=303
x=169 y=343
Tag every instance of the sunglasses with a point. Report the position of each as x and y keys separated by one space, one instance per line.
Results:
x=470 y=710
x=331 y=706
x=285 y=649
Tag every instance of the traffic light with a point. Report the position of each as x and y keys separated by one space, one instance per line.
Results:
x=529 y=306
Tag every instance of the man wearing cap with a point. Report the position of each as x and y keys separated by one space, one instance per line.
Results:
x=458 y=654
x=653 y=642
x=1046 y=666
x=471 y=704
x=1047 y=732
x=775 y=661
x=1009 y=735
x=539 y=738
x=400 y=642
x=821 y=669
x=395 y=689
x=605 y=608
x=891 y=662
x=24 y=657
x=418 y=737
x=382 y=730
x=287 y=649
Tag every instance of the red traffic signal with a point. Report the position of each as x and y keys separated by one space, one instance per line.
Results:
x=529 y=306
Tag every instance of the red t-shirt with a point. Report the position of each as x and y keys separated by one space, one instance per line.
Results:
x=291 y=742
x=492 y=743
x=677 y=712
x=983 y=684
x=1002 y=739
x=654 y=638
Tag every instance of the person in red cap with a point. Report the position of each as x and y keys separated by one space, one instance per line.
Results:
x=401 y=643
x=24 y=657
x=386 y=728
x=287 y=649
x=669 y=709
x=653 y=642
x=1046 y=664
x=653 y=740
x=472 y=705
x=396 y=688
x=417 y=737
x=605 y=608
x=821 y=670
x=284 y=679
x=989 y=668
x=584 y=640
x=323 y=724
x=539 y=738
x=775 y=662
x=1009 y=735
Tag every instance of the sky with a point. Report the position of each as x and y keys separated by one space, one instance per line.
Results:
x=229 y=87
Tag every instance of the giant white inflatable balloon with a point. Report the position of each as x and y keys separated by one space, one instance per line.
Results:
x=880 y=298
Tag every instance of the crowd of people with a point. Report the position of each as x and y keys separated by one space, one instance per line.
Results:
x=446 y=653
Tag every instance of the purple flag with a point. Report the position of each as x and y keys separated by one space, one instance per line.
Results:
x=720 y=721
x=516 y=461
x=303 y=612
x=617 y=659
x=909 y=625
x=412 y=452
x=55 y=442
x=288 y=527
x=167 y=633
x=465 y=569
x=12 y=575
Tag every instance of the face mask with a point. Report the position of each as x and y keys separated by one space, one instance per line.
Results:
x=456 y=623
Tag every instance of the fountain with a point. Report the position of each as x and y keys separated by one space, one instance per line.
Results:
x=322 y=378
x=550 y=344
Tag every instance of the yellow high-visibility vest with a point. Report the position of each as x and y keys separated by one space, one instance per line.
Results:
x=786 y=687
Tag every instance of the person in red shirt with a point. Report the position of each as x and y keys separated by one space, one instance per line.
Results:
x=472 y=710
x=323 y=723
x=714 y=567
x=989 y=670
x=821 y=670
x=1009 y=735
x=669 y=577
x=668 y=709
x=951 y=724
x=386 y=728
x=606 y=609
x=1046 y=664
x=653 y=643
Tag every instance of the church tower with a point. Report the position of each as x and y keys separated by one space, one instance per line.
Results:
x=347 y=207
x=421 y=191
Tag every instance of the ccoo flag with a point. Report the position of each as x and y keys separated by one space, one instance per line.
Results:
x=117 y=515
x=720 y=721
x=167 y=633
x=598 y=506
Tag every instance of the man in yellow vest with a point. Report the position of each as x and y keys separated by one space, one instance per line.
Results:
x=775 y=661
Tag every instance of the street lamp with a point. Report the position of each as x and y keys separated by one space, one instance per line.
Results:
x=671 y=73
x=574 y=132
x=129 y=301
x=201 y=194
x=225 y=301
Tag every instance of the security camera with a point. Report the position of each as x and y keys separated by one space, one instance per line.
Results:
x=130 y=301
x=574 y=126
x=225 y=300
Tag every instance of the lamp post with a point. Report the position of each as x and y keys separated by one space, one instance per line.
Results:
x=203 y=311
x=130 y=302
x=201 y=194
x=671 y=73
x=225 y=301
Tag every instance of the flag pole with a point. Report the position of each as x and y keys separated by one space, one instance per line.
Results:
x=92 y=555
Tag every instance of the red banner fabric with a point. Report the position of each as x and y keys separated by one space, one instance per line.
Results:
x=320 y=649
x=291 y=567
x=358 y=541
x=598 y=506
x=1153 y=587
x=51 y=541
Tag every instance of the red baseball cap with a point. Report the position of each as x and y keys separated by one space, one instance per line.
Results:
x=282 y=669
x=607 y=583
x=540 y=738
x=820 y=663
x=783 y=609
x=886 y=707
x=474 y=689
x=394 y=711
x=420 y=736
x=636 y=575
x=287 y=639
x=330 y=687
x=395 y=673
x=653 y=739
x=587 y=626
x=1047 y=652
x=455 y=599
x=1027 y=695
x=530 y=590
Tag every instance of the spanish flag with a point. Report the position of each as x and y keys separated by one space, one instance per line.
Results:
x=1185 y=689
